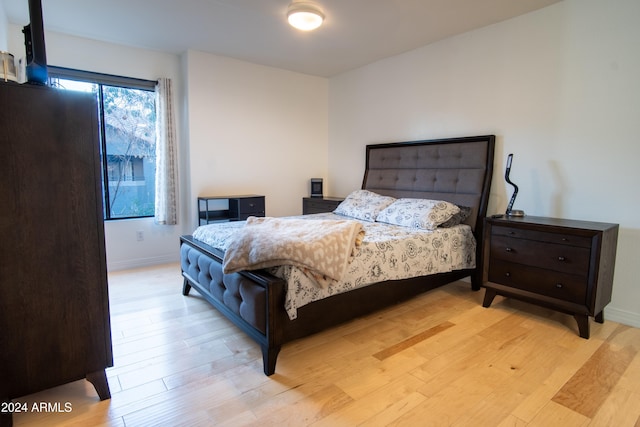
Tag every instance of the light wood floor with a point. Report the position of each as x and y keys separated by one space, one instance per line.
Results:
x=440 y=359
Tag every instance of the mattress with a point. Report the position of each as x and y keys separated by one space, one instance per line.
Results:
x=387 y=252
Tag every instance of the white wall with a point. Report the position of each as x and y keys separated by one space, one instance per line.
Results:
x=254 y=130
x=160 y=242
x=4 y=30
x=559 y=87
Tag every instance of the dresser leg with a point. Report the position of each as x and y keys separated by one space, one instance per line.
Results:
x=600 y=317
x=489 y=295
x=99 y=381
x=583 y=324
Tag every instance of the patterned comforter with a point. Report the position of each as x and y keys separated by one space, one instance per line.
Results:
x=321 y=248
x=387 y=252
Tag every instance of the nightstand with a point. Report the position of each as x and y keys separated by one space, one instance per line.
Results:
x=565 y=265
x=312 y=205
x=229 y=208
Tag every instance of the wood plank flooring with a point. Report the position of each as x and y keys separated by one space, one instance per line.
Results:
x=438 y=360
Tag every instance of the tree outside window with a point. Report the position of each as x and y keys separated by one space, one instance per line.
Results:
x=128 y=143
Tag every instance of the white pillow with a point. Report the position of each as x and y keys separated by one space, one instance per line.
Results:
x=364 y=205
x=418 y=213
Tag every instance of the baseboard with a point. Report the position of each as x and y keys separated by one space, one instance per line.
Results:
x=622 y=316
x=141 y=262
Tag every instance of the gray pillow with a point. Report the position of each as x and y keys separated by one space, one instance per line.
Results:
x=458 y=218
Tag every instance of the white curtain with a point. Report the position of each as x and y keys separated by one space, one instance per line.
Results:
x=166 y=173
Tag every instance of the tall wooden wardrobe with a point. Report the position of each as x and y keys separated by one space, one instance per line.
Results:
x=54 y=307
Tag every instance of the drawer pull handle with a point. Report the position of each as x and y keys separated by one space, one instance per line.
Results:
x=559 y=285
x=564 y=239
x=507 y=274
x=508 y=249
x=512 y=233
x=561 y=258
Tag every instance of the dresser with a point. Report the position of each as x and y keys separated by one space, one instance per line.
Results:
x=54 y=305
x=312 y=205
x=229 y=208
x=562 y=264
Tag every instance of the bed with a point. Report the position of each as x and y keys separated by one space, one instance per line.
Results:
x=456 y=170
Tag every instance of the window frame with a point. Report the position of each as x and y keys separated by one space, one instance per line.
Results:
x=101 y=80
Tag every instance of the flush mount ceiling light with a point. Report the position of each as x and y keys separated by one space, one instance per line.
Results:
x=304 y=15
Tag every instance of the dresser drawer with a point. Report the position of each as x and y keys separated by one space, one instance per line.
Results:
x=251 y=205
x=567 y=287
x=242 y=208
x=311 y=205
x=551 y=256
x=542 y=236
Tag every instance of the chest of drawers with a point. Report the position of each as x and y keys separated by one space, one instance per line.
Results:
x=566 y=265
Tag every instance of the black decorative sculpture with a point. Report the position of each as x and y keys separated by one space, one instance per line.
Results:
x=510 y=211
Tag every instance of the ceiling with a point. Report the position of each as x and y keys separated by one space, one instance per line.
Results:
x=355 y=32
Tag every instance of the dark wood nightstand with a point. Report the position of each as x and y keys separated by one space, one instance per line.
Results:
x=311 y=205
x=237 y=208
x=565 y=265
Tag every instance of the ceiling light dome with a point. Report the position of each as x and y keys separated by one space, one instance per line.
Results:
x=304 y=15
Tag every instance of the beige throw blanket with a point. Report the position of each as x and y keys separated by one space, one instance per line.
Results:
x=322 y=248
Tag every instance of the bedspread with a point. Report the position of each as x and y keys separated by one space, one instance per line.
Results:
x=321 y=248
x=387 y=252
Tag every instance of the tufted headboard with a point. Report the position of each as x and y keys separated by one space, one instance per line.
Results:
x=457 y=170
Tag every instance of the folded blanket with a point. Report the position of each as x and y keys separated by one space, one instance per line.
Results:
x=323 y=248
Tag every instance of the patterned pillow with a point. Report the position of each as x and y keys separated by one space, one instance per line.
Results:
x=364 y=205
x=418 y=213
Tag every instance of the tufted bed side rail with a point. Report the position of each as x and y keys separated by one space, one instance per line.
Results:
x=252 y=300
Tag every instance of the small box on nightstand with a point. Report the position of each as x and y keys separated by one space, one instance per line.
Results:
x=316 y=187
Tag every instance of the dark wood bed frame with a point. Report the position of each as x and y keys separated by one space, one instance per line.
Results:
x=458 y=170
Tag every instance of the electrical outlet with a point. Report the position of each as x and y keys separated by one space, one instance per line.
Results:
x=140 y=235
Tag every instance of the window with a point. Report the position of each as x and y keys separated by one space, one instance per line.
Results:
x=127 y=138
